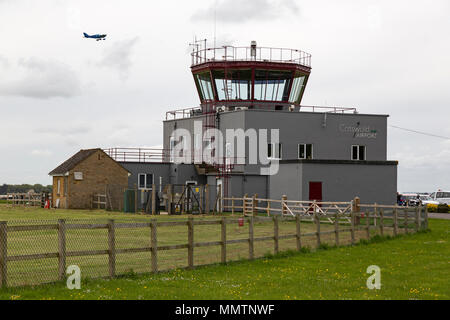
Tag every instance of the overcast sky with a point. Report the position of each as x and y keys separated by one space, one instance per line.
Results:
x=60 y=93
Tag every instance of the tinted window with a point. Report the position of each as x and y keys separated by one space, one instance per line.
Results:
x=271 y=85
x=233 y=85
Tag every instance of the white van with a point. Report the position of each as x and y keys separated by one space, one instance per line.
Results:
x=438 y=197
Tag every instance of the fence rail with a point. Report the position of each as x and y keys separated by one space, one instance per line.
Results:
x=113 y=240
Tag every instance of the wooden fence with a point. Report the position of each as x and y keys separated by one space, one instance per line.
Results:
x=378 y=219
x=251 y=206
x=25 y=199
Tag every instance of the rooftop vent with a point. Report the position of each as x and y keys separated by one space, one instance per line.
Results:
x=253 y=49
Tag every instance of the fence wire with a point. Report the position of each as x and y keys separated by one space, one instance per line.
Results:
x=32 y=251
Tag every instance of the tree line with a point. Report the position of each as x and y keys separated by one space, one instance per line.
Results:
x=24 y=188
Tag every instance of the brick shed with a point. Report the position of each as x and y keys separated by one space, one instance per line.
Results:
x=86 y=173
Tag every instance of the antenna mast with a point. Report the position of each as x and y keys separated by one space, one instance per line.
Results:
x=215 y=22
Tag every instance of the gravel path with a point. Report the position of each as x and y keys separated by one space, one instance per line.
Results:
x=433 y=215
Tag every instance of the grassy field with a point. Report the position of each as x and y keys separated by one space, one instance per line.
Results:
x=414 y=266
x=33 y=272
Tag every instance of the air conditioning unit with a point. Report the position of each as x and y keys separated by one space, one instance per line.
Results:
x=221 y=109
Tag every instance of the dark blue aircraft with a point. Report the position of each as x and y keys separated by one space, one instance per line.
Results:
x=97 y=37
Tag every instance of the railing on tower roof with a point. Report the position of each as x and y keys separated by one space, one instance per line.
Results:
x=141 y=155
x=263 y=54
x=197 y=111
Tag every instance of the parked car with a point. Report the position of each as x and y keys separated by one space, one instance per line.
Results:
x=438 y=197
x=411 y=199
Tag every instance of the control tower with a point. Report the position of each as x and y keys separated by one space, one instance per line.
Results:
x=251 y=77
x=327 y=153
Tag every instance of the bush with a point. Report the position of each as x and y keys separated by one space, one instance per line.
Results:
x=442 y=208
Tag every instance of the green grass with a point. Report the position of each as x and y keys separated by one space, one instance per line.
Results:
x=33 y=272
x=414 y=266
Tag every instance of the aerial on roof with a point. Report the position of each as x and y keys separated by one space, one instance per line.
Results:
x=73 y=161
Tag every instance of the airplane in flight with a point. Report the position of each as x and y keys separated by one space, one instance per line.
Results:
x=97 y=37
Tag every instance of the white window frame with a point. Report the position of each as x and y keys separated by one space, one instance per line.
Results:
x=358 y=146
x=145 y=181
x=78 y=176
x=58 y=189
x=274 y=151
x=304 y=145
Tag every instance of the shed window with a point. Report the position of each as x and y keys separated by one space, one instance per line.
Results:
x=145 y=181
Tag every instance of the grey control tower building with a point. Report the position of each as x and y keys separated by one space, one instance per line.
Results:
x=305 y=152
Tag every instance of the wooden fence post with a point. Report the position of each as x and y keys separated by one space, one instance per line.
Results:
x=381 y=222
x=336 y=228
x=420 y=218
x=112 y=248
x=298 y=232
x=317 y=219
x=426 y=218
x=275 y=234
x=154 y=245
x=191 y=243
x=224 y=240
x=250 y=239
x=219 y=198
x=417 y=219
x=356 y=210
x=153 y=199
x=395 y=222
x=283 y=206
x=405 y=217
x=135 y=198
x=352 y=227
x=183 y=201
x=170 y=199
x=254 y=204
x=207 y=199
x=244 y=204
x=3 y=254
x=61 y=248
x=201 y=208
x=368 y=223
x=232 y=206
x=268 y=207
x=375 y=217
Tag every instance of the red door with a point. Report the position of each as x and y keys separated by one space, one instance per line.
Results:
x=315 y=191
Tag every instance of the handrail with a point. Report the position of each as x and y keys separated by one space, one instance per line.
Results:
x=261 y=54
x=196 y=111
x=137 y=154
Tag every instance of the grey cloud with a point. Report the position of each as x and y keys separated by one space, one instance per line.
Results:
x=43 y=79
x=241 y=11
x=118 y=57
